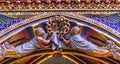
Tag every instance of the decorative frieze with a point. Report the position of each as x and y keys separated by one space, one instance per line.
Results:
x=66 y=5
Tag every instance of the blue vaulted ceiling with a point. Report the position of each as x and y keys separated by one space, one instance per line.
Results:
x=6 y=21
x=112 y=20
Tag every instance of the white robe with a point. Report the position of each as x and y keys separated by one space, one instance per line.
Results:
x=78 y=42
x=27 y=47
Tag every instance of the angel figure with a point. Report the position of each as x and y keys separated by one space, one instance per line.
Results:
x=7 y=50
x=77 y=42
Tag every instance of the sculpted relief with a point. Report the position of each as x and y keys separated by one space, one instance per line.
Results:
x=59 y=33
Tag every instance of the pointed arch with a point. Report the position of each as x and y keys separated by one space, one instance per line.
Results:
x=97 y=26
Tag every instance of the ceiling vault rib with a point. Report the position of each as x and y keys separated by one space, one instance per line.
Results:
x=71 y=59
x=76 y=59
x=41 y=57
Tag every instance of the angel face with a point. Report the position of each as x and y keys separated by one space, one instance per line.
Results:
x=75 y=30
x=40 y=32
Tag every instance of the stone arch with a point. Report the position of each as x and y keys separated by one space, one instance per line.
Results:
x=109 y=32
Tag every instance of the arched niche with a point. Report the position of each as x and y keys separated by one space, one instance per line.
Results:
x=91 y=30
x=80 y=20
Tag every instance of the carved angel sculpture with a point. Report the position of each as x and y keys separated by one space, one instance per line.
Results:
x=7 y=50
x=77 y=42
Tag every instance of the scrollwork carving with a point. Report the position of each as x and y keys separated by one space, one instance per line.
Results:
x=113 y=48
x=58 y=24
